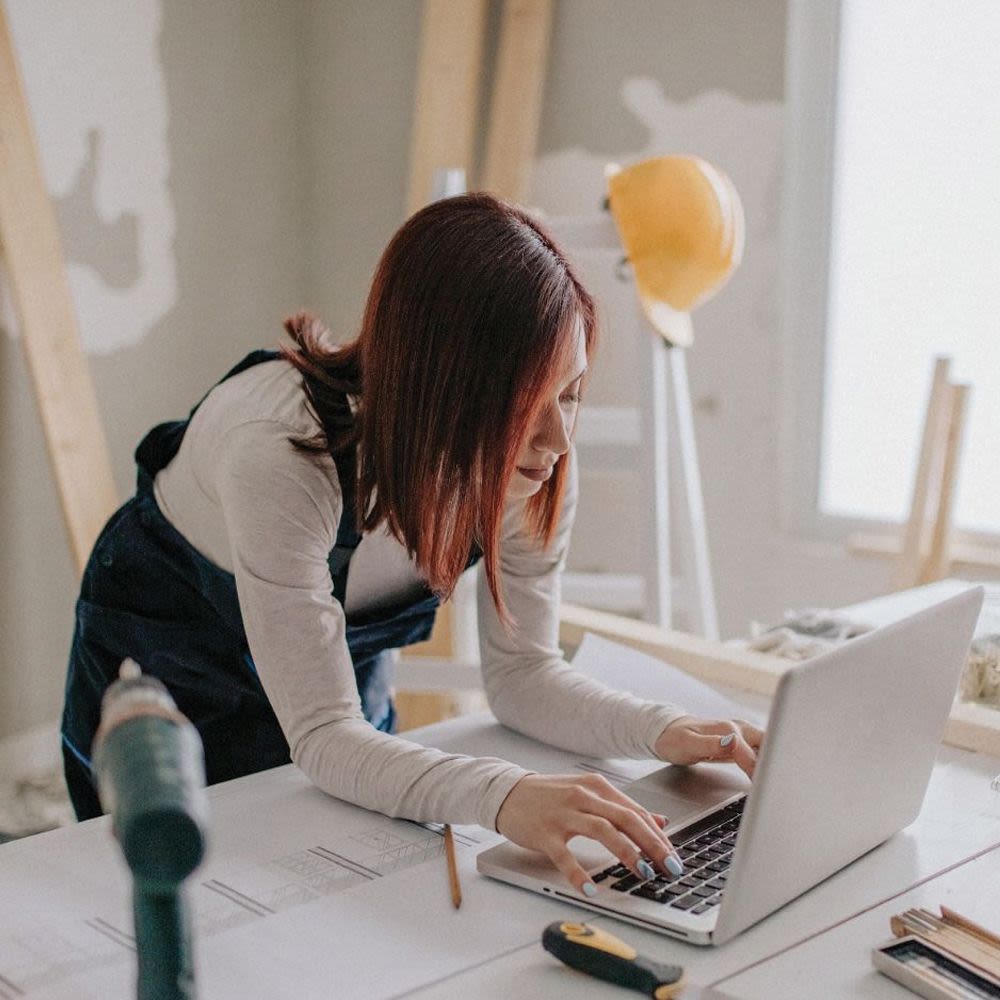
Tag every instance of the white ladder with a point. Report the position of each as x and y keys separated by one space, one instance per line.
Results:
x=663 y=407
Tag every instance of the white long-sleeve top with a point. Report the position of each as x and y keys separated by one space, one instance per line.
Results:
x=268 y=513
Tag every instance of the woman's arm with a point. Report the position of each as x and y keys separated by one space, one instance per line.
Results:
x=529 y=685
x=281 y=510
x=532 y=689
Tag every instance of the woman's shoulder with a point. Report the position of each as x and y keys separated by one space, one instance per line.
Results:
x=271 y=391
x=254 y=421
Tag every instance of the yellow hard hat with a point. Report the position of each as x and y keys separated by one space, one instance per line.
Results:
x=681 y=224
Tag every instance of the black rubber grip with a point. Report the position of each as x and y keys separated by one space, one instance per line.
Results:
x=586 y=950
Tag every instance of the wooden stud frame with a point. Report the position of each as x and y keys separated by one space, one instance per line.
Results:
x=447 y=95
x=516 y=106
x=78 y=450
x=971 y=726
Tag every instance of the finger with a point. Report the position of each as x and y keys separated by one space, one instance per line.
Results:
x=729 y=746
x=652 y=843
x=744 y=756
x=565 y=860
x=717 y=745
x=609 y=792
x=751 y=733
x=722 y=727
x=605 y=832
x=739 y=751
x=713 y=727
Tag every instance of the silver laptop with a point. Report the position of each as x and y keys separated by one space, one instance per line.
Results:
x=860 y=724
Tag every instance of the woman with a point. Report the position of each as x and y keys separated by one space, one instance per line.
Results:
x=309 y=514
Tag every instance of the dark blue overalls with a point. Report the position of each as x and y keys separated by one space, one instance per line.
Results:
x=149 y=594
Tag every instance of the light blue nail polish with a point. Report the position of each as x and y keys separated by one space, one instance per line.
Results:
x=726 y=740
x=674 y=865
x=645 y=869
x=589 y=889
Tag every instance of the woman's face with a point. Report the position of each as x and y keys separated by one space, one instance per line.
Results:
x=549 y=437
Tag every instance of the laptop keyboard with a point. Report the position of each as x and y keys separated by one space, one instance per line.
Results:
x=706 y=848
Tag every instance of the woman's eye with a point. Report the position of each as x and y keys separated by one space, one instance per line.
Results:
x=570 y=397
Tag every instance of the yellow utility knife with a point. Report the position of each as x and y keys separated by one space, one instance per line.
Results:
x=603 y=955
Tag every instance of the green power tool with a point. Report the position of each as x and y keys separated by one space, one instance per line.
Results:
x=150 y=770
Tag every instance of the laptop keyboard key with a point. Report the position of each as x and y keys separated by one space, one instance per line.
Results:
x=670 y=891
x=703 y=892
x=627 y=883
x=686 y=902
x=647 y=891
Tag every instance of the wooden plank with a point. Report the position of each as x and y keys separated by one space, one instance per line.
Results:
x=907 y=572
x=971 y=726
x=939 y=559
x=441 y=643
x=416 y=707
x=963 y=554
x=715 y=662
x=75 y=438
x=447 y=93
x=516 y=101
x=422 y=708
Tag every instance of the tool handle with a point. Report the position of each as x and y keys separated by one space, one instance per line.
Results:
x=163 y=943
x=600 y=954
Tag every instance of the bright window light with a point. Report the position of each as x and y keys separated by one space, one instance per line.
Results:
x=915 y=252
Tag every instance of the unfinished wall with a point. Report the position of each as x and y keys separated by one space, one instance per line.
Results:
x=687 y=78
x=650 y=77
x=171 y=141
x=215 y=165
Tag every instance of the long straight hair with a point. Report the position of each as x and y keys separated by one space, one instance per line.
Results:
x=471 y=317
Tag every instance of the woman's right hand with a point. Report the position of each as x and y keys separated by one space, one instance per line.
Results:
x=542 y=812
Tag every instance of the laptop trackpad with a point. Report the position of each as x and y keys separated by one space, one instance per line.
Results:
x=679 y=793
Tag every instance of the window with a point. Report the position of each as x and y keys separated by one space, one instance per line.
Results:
x=898 y=196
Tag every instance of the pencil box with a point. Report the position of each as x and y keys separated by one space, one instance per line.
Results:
x=931 y=972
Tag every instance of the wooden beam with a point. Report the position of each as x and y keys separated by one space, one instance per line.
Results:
x=715 y=662
x=939 y=558
x=516 y=102
x=75 y=438
x=447 y=93
x=964 y=555
x=927 y=477
x=971 y=726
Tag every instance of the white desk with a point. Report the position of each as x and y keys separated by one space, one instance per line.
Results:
x=280 y=916
x=838 y=963
x=960 y=820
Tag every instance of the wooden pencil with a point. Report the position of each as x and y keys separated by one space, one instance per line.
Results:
x=957 y=920
x=449 y=851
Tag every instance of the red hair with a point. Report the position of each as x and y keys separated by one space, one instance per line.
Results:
x=471 y=317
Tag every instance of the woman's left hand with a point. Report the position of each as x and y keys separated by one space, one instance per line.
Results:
x=688 y=740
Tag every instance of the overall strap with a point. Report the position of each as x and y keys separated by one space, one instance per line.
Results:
x=348 y=531
x=160 y=445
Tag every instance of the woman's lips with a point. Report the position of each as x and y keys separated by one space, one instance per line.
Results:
x=536 y=475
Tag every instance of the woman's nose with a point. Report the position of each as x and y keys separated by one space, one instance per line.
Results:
x=551 y=432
